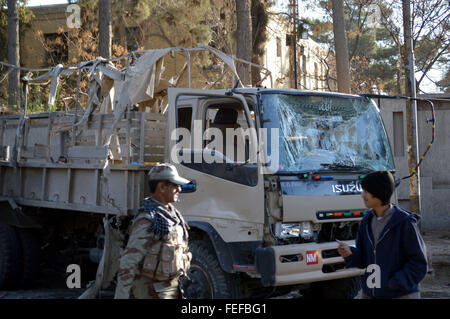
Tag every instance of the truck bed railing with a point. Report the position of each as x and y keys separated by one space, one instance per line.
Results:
x=62 y=169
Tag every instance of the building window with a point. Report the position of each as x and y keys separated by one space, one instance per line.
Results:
x=399 y=138
x=302 y=49
x=132 y=36
x=305 y=72
x=278 y=47
x=316 y=76
x=56 y=48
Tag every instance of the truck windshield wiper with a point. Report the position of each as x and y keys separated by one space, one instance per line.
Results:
x=293 y=172
x=327 y=167
x=344 y=167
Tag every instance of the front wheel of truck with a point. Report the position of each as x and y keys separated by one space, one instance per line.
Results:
x=206 y=279
x=31 y=258
x=345 y=288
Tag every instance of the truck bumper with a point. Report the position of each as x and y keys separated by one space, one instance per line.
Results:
x=302 y=263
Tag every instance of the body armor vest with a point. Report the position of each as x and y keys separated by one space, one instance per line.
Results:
x=168 y=256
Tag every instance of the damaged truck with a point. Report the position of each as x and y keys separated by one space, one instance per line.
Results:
x=275 y=177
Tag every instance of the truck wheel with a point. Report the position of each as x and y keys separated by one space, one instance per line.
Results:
x=207 y=280
x=345 y=288
x=10 y=257
x=31 y=257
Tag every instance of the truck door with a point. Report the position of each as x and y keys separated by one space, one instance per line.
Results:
x=212 y=142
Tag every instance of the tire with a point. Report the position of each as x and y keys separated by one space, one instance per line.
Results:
x=31 y=258
x=10 y=257
x=345 y=288
x=207 y=280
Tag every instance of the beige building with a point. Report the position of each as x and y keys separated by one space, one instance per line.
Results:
x=42 y=34
x=45 y=43
x=279 y=58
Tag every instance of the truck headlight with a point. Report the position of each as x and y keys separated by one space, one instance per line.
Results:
x=306 y=230
x=290 y=230
x=303 y=229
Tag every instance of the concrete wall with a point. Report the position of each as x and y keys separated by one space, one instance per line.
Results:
x=435 y=169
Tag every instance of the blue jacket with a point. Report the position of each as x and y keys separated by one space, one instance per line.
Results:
x=400 y=254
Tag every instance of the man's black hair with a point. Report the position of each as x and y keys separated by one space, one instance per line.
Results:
x=153 y=183
x=380 y=184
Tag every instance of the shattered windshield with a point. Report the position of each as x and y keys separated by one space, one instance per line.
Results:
x=327 y=132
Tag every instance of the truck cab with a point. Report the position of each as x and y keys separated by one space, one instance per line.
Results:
x=276 y=180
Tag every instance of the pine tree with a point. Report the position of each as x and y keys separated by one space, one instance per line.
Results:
x=23 y=17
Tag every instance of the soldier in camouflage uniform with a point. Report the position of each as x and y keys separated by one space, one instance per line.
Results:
x=156 y=255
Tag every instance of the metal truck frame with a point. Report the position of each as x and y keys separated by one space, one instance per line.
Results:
x=255 y=227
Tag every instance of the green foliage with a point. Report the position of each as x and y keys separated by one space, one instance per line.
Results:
x=25 y=15
x=444 y=84
x=135 y=25
x=430 y=33
x=375 y=50
x=179 y=23
x=260 y=19
x=37 y=99
x=372 y=54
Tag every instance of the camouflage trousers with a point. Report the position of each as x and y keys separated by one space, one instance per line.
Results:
x=146 y=288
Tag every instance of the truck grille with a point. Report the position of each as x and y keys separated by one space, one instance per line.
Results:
x=332 y=267
x=338 y=230
x=330 y=253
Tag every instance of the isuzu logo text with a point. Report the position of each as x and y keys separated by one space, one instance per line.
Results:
x=347 y=188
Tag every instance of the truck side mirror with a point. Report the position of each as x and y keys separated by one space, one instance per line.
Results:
x=189 y=188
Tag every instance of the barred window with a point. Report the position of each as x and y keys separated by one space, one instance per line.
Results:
x=56 y=48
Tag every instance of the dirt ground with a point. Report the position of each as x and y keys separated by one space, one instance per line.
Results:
x=436 y=284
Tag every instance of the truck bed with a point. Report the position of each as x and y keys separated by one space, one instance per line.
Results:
x=46 y=161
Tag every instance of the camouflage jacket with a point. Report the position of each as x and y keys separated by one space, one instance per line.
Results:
x=157 y=247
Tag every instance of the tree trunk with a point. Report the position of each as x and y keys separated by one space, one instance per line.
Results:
x=244 y=39
x=399 y=67
x=13 y=54
x=411 y=111
x=341 y=47
x=104 y=27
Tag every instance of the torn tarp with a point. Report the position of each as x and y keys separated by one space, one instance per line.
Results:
x=138 y=86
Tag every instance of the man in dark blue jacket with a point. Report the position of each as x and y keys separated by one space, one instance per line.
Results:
x=388 y=244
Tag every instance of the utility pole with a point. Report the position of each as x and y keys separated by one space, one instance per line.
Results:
x=293 y=17
x=411 y=111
